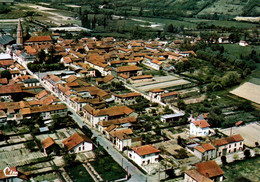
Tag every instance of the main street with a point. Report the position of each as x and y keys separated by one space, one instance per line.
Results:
x=136 y=174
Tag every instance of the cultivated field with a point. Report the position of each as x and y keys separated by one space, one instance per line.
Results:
x=248 y=91
x=161 y=82
x=250 y=133
x=228 y=7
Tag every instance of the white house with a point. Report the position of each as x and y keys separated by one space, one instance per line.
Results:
x=95 y=116
x=144 y=155
x=228 y=145
x=199 y=128
x=78 y=143
x=243 y=43
x=122 y=138
x=208 y=171
x=205 y=151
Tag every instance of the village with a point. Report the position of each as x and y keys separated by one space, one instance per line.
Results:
x=108 y=105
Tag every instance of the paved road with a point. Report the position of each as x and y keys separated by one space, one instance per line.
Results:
x=136 y=174
x=175 y=109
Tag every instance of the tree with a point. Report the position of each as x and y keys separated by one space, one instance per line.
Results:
x=141 y=12
x=167 y=110
x=30 y=145
x=41 y=56
x=170 y=28
x=224 y=160
x=69 y=159
x=181 y=104
x=6 y=74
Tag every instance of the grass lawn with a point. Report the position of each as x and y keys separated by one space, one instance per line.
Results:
x=236 y=50
x=78 y=173
x=223 y=23
x=238 y=170
x=165 y=21
x=108 y=169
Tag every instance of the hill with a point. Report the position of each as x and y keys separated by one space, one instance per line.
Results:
x=184 y=8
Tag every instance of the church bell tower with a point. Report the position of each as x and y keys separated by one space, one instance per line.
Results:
x=19 y=33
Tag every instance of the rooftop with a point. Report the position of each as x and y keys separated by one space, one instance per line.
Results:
x=145 y=150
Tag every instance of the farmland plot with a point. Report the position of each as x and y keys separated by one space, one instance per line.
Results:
x=248 y=91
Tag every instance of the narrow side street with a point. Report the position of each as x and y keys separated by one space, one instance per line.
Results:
x=136 y=174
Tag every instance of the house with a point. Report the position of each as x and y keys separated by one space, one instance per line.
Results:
x=95 y=116
x=31 y=82
x=195 y=176
x=155 y=94
x=131 y=70
x=199 y=128
x=154 y=64
x=228 y=145
x=46 y=111
x=39 y=40
x=78 y=143
x=223 y=40
x=205 y=151
x=121 y=137
x=243 y=43
x=141 y=78
x=211 y=170
x=187 y=53
x=208 y=171
x=3 y=117
x=106 y=80
x=12 y=174
x=165 y=97
x=103 y=125
x=171 y=117
x=48 y=145
x=144 y=155
x=126 y=98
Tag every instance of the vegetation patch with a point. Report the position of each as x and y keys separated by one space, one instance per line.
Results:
x=78 y=173
x=247 y=170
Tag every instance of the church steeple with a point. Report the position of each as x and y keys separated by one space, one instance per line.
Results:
x=19 y=33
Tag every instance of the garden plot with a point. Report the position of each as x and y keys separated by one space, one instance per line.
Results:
x=158 y=79
x=18 y=157
x=164 y=85
x=249 y=132
x=248 y=91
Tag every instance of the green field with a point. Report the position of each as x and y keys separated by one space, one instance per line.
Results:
x=238 y=170
x=78 y=173
x=236 y=50
x=223 y=23
x=178 y=23
x=108 y=169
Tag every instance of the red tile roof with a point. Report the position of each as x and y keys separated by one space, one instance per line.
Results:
x=118 y=121
x=142 y=77
x=40 y=39
x=169 y=94
x=128 y=68
x=205 y=147
x=194 y=174
x=239 y=123
x=145 y=150
x=156 y=90
x=132 y=94
x=75 y=140
x=225 y=141
x=201 y=123
x=3 y=81
x=108 y=78
x=41 y=94
x=122 y=134
x=8 y=89
x=209 y=169
x=47 y=142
